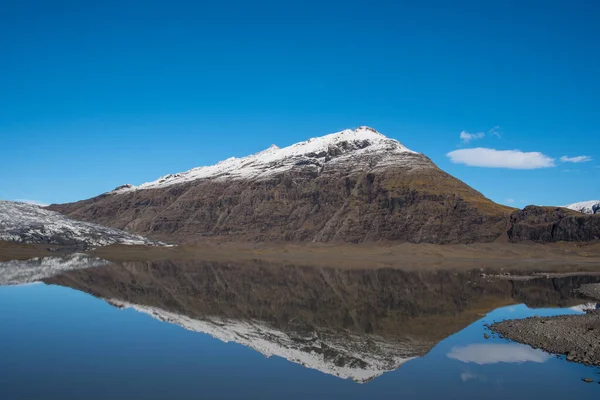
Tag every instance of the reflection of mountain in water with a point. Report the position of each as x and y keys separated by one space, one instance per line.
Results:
x=344 y=354
x=348 y=323
x=18 y=272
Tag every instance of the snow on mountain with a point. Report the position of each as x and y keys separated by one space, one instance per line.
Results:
x=360 y=358
x=19 y=272
x=349 y=148
x=586 y=207
x=29 y=223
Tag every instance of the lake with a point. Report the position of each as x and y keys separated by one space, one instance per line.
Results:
x=78 y=327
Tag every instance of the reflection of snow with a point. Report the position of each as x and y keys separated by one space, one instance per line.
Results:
x=586 y=307
x=17 y=272
x=360 y=358
x=497 y=353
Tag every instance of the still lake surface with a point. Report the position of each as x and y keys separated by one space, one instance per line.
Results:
x=80 y=328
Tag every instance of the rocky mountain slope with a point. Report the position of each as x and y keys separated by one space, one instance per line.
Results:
x=350 y=186
x=586 y=207
x=28 y=223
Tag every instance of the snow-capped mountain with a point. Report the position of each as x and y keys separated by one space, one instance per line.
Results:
x=29 y=223
x=586 y=207
x=19 y=272
x=348 y=356
x=348 y=148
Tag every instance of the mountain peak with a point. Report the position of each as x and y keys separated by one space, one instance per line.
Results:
x=350 y=148
x=368 y=129
x=362 y=132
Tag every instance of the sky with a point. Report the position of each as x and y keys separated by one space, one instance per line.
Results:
x=501 y=94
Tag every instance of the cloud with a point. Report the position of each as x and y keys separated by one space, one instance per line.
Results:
x=576 y=159
x=35 y=202
x=509 y=201
x=491 y=158
x=483 y=354
x=495 y=131
x=466 y=137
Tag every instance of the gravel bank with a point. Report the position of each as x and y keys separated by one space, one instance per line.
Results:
x=575 y=336
x=591 y=290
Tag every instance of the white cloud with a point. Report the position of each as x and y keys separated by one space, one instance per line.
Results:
x=483 y=354
x=576 y=159
x=495 y=131
x=510 y=201
x=466 y=137
x=37 y=203
x=491 y=158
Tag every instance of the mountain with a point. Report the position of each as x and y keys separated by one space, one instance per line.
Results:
x=350 y=186
x=28 y=223
x=586 y=207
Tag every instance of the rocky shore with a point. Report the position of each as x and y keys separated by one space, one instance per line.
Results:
x=575 y=336
x=590 y=290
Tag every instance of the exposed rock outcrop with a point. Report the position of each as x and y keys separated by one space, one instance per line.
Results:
x=553 y=224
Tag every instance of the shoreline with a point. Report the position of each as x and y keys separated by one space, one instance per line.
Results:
x=577 y=337
x=515 y=259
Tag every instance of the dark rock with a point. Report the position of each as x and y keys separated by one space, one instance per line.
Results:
x=553 y=224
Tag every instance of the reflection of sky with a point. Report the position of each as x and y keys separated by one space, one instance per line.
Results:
x=493 y=353
x=71 y=345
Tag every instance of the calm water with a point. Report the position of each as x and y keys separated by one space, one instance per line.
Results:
x=200 y=330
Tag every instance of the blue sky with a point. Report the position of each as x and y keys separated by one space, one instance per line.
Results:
x=96 y=94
